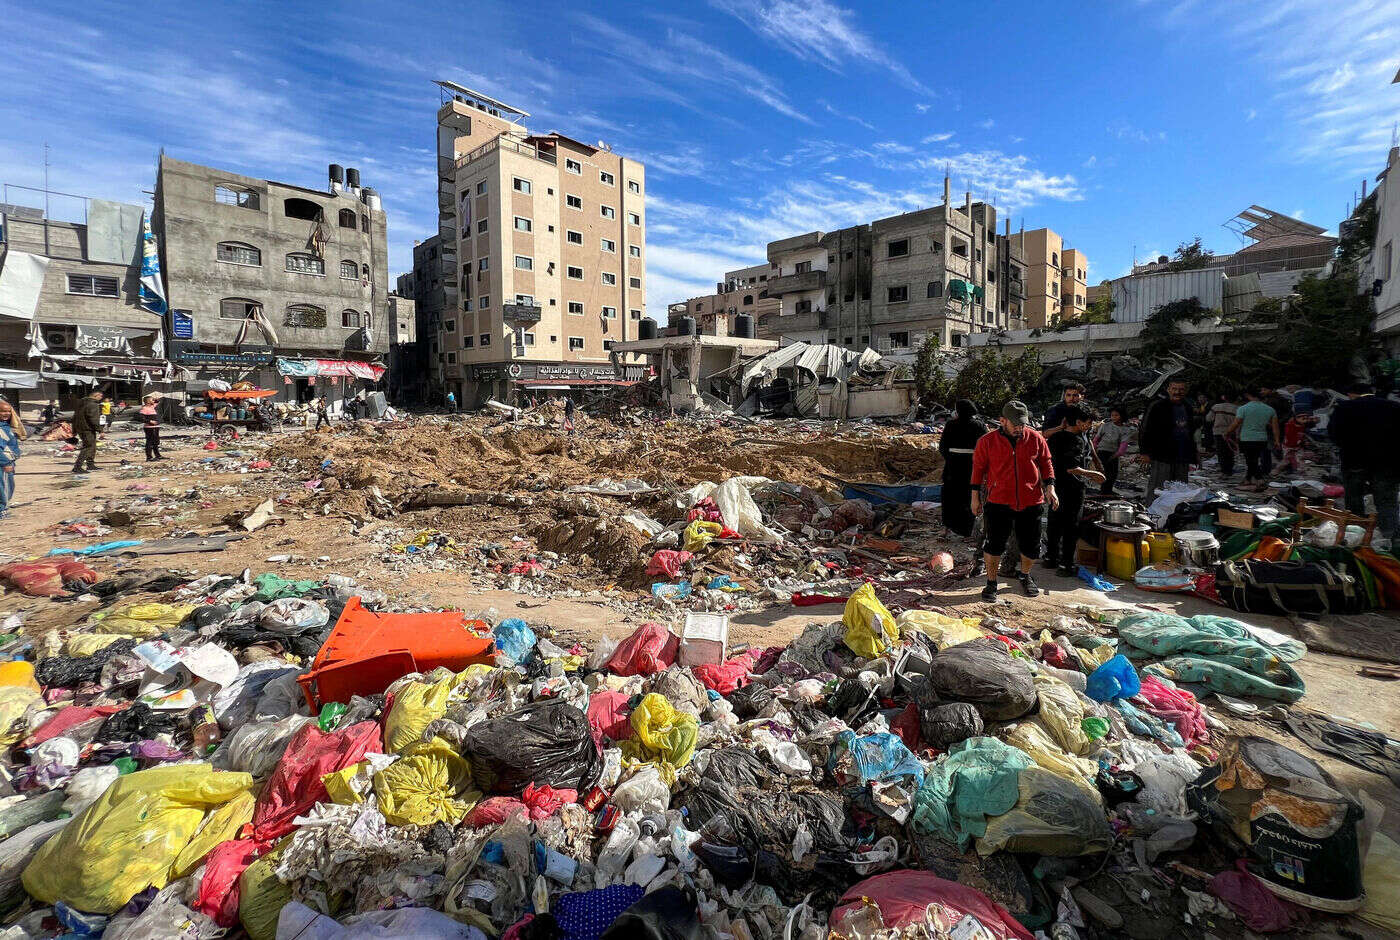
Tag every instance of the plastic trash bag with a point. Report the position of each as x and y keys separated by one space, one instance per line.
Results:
x=128 y=839
x=976 y=779
x=261 y=897
x=860 y=760
x=700 y=533
x=416 y=705
x=738 y=509
x=218 y=888
x=428 y=785
x=85 y=786
x=983 y=673
x=140 y=620
x=1062 y=714
x=237 y=702
x=644 y=792
x=17 y=851
x=514 y=640
x=650 y=649
x=256 y=747
x=165 y=918
x=1251 y=900
x=1095 y=581
x=903 y=898
x=222 y=824
x=296 y=921
x=661 y=732
x=668 y=913
x=668 y=562
x=870 y=627
x=1031 y=738
x=15 y=703
x=946 y=723
x=548 y=742
x=293 y=615
x=1114 y=679
x=940 y=629
x=296 y=785
x=1052 y=816
x=608 y=714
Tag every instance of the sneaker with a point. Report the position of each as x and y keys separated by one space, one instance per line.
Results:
x=989 y=593
x=1067 y=571
x=1028 y=585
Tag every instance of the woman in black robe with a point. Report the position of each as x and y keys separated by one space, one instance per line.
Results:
x=960 y=436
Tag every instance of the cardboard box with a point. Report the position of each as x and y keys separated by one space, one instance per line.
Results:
x=1234 y=520
x=704 y=639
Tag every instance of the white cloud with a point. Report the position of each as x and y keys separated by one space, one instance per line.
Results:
x=937 y=138
x=892 y=146
x=922 y=107
x=1251 y=114
x=1123 y=130
x=1333 y=82
x=817 y=31
x=1091 y=162
x=986 y=124
x=833 y=110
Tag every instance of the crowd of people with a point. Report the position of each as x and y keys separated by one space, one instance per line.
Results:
x=1014 y=478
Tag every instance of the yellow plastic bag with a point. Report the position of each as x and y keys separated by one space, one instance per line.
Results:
x=942 y=630
x=85 y=644
x=701 y=533
x=219 y=826
x=1381 y=875
x=142 y=621
x=870 y=627
x=15 y=702
x=129 y=838
x=662 y=732
x=416 y=706
x=428 y=785
x=1062 y=714
x=1031 y=738
x=340 y=785
x=18 y=674
x=261 y=896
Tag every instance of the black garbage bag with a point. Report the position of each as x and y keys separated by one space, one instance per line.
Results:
x=945 y=725
x=206 y=615
x=668 y=913
x=68 y=672
x=302 y=645
x=138 y=722
x=749 y=701
x=544 y=743
x=736 y=767
x=983 y=673
x=853 y=702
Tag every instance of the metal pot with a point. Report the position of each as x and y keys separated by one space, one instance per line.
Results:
x=1119 y=514
x=1197 y=549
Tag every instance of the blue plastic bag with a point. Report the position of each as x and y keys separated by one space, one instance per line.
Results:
x=1094 y=581
x=1114 y=679
x=514 y=639
x=678 y=591
x=880 y=756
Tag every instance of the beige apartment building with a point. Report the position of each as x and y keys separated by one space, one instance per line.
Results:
x=543 y=254
x=742 y=292
x=1056 y=277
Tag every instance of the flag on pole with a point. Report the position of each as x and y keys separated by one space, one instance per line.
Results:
x=152 y=291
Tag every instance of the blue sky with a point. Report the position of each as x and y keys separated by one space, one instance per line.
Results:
x=1119 y=125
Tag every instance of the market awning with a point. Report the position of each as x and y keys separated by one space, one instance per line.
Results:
x=303 y=368
x=241 y=394
x=18 y=378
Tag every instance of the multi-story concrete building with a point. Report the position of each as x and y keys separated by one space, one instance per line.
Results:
x=70 y=305
x=543 y=253
x=426 y=286
x=744 y=291
x=271 y=280
x=893 y=282
x=1056 y=277
x=407 y=379
x=1381 y=274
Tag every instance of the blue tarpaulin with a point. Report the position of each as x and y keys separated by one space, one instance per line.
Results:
x=877 y=493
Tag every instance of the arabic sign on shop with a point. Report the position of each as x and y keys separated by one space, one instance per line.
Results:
x=247 y=356
x=563 y=371
x=181 y=324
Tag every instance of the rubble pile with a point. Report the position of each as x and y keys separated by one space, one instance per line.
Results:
x=308 y=758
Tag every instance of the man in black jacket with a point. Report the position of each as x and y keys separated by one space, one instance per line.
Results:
x=1167 y=438
x=1365 y=429
x=87 y=421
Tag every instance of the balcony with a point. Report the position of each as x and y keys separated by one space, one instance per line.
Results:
x=506 y=143
x=521 y=313
x=796 y=243
x=796 y=283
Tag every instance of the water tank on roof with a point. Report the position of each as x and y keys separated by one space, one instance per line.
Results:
x=370 y=198
x=337 y=176
x=352 y=178
x=685 y=326
x=646 y=328
x=744 y=326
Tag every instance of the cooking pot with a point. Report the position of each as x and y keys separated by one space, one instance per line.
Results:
x=1119 y=514
x=1197 y=549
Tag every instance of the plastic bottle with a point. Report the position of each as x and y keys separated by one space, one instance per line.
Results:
x=207 y=733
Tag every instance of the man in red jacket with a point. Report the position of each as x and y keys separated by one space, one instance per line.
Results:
x=1012 y=478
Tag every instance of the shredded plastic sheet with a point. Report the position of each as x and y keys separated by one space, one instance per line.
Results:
x=661 y=732
x=1221 y=653
x=129 y=838
x=870 y=627
x=1177 y=707
x=976 y=779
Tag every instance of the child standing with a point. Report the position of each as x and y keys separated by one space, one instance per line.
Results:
x=150 y=423
x=1295 y=436
x=1070 y=458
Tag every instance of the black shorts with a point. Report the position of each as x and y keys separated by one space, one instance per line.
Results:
x=1001 y=519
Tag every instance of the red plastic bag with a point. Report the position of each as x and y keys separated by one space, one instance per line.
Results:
x=545 y=801
x=296 y=784
x=907 y=727
x=1252 y=902
x=608 y=713
x=218 y=890
x=68 y=718
x=649 y=650
x=1177 y=707
x=668 y=561
x=494 y=811
x=45 y=578
x=903 y=895
x=724 y=677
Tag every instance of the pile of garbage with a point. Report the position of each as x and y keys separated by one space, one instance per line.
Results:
x=302 y=758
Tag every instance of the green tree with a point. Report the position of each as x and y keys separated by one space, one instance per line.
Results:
x=1191 y=256
x=929 y=380
x=991 y=378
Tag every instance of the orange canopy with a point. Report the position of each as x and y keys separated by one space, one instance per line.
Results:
x=240 y=394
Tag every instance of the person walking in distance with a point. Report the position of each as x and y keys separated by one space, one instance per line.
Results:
x=569 y=415
x=322 y=417
x=1167 y=439
x=1111 y=443
x=1070 y=460
x=1255 y=426
x=1013 y=477
x=451 y=401
x=1365 y=429
x=87 y=421
x=959 y=438
x=1221 y=416
x=150 y=424
x=11 y=433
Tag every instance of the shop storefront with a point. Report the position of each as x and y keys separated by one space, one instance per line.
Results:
x=518 y=381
